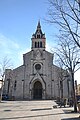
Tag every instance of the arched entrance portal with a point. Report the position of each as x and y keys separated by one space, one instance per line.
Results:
x=37 y=90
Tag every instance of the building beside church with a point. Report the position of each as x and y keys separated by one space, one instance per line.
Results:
x=38 y=77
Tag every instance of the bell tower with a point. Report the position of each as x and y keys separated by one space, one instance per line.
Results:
x=38 y=39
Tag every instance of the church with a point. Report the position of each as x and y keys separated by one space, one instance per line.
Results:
x=37 y=78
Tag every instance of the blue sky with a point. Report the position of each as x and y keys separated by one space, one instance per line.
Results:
x=18 y=21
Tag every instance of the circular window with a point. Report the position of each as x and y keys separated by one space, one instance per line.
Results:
x=37 y=66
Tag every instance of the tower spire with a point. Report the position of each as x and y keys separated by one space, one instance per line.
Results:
x=38 y=33
x=38 y=38
x=38 y=26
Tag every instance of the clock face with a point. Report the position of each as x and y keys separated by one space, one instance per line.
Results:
x=37 y=66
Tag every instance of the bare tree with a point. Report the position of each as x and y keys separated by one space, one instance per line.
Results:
x=68 y=54
x=66 y=14
x=4 y=64
x=63 y=77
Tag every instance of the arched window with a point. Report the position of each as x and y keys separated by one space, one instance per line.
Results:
x=15 y=83
x=40 y=44
x=35 y=44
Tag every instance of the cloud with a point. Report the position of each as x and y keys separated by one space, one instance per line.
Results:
x=8 y=47
x=12 y=49
x=8 y=43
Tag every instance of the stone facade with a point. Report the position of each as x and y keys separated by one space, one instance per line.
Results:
x=38 y=77
x=78 y=89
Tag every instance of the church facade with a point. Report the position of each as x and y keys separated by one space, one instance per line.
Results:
x=38 y=77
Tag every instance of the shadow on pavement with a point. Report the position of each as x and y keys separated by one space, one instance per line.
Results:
x=41 y=109
x=71 y=118
x=36 y=116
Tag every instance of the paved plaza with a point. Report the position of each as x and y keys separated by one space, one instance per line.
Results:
x=35 y=110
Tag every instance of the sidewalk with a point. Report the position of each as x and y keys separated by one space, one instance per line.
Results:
x=35 y=110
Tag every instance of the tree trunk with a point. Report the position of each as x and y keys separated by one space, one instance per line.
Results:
x=74 y=96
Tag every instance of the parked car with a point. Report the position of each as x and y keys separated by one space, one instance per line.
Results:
x=78 y=101
x=5 y=97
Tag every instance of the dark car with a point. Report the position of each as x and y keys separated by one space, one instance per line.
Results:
x=5 y=97
x=78 y=98
x=78 y=101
